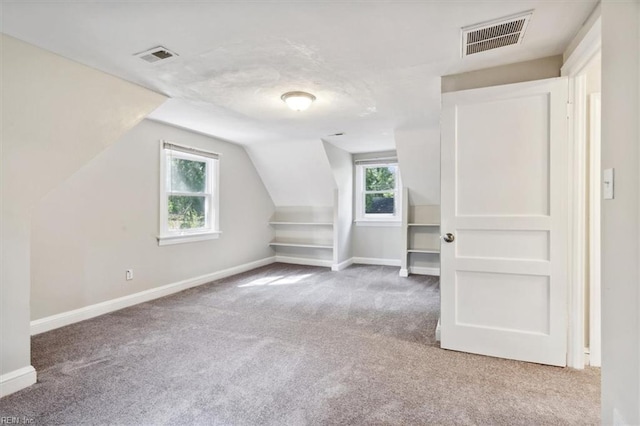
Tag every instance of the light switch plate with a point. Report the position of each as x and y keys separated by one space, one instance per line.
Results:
x=607 y=184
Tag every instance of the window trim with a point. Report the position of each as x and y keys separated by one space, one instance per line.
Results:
x=211 y=194
x=377 y=219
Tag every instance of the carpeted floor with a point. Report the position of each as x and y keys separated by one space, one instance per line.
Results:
x=290 y=345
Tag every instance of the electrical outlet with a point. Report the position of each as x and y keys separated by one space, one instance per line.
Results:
x=129 y=274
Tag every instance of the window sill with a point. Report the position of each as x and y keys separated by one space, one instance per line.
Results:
x=390 y=223
x=166 y=240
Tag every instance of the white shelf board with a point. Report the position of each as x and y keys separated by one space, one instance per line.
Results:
x=303 y=245
x=302 y=223
x=423 y=224
x=413 y=250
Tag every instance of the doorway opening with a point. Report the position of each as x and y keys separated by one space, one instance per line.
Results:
x=583 y=68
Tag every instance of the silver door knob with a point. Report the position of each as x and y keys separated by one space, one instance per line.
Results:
x=448 y=237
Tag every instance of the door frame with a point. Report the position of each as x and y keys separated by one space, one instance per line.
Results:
x=595 y=248
x=574 y=68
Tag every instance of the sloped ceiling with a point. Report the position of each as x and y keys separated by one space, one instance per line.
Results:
x=373 y=65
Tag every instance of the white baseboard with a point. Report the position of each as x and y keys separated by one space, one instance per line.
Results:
x=304 y=261
x=342 y=265
x=60 y=320
x=422 y=270
x=376 y=261
x=404 y=273
x=17 y=380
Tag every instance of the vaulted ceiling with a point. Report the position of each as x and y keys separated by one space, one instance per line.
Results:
x=374 y=66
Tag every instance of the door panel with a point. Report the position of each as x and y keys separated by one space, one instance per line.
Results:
x=530 y=245
x=504 y=197
x=508 y=173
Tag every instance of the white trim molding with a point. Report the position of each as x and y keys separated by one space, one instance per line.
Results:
x=595 y=246
x=66 y=318
x=339 y=266
x=588 y=45
x=211 y=194
x=342 y=265
x=419 y=270
x=16 y=380
x=187 y=238
x=586 y=49
x=422 y=270
x=304 y=261
x=376 y=261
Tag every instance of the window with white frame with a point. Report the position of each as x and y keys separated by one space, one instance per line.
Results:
x=188 y=194
x=378 y=191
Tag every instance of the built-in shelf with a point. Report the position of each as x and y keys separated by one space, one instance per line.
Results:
x=301 y=245
x=301 y=223
x=415 y=250
x=305 y=234
x=420 y=238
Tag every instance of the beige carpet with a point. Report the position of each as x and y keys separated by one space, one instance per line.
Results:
x=290 y=345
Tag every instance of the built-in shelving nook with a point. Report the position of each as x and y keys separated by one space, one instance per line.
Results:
x=421 y=238
x=304 y=235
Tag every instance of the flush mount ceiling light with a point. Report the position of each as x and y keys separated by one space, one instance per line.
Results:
x=298 y=101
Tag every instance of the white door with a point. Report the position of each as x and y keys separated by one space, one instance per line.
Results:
x=504 y=200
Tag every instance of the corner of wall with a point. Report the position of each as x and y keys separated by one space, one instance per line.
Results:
x=62 y=114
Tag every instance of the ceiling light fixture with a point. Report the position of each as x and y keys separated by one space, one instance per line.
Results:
x=298 y=101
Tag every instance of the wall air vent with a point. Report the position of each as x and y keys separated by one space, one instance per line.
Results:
x=157 y=54
x=494 y=34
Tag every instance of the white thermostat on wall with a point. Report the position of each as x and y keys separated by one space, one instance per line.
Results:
x=607 y=184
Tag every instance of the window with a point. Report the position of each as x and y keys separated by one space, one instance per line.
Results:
x=378 y=191
x=188 y=194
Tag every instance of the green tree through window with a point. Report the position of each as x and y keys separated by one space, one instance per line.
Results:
x=187 y=199
x=380 y=185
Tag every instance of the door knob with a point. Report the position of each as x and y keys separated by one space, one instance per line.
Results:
x=448 y=237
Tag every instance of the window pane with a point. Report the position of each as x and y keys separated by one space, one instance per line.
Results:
x=380 y=203
x=187 y=175
x=186 y=212
x=380 y=178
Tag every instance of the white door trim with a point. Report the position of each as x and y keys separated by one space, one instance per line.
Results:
x=595 y=339
x=574 y=68
x=577 y=140
x=586 y=50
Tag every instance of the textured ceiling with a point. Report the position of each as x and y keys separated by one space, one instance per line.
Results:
x=374 y=66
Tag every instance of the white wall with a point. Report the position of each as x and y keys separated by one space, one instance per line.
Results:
x=104 y=220
x=621 y=216
x=383 y=243
x=56 y=116
x=419 y=157
x=295 y=173
x=342 y=166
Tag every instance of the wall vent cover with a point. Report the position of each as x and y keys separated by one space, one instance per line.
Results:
x=157 y=54
x=494 y=34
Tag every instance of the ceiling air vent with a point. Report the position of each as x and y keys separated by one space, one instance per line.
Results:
x=494 y=34
x=156 y=54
